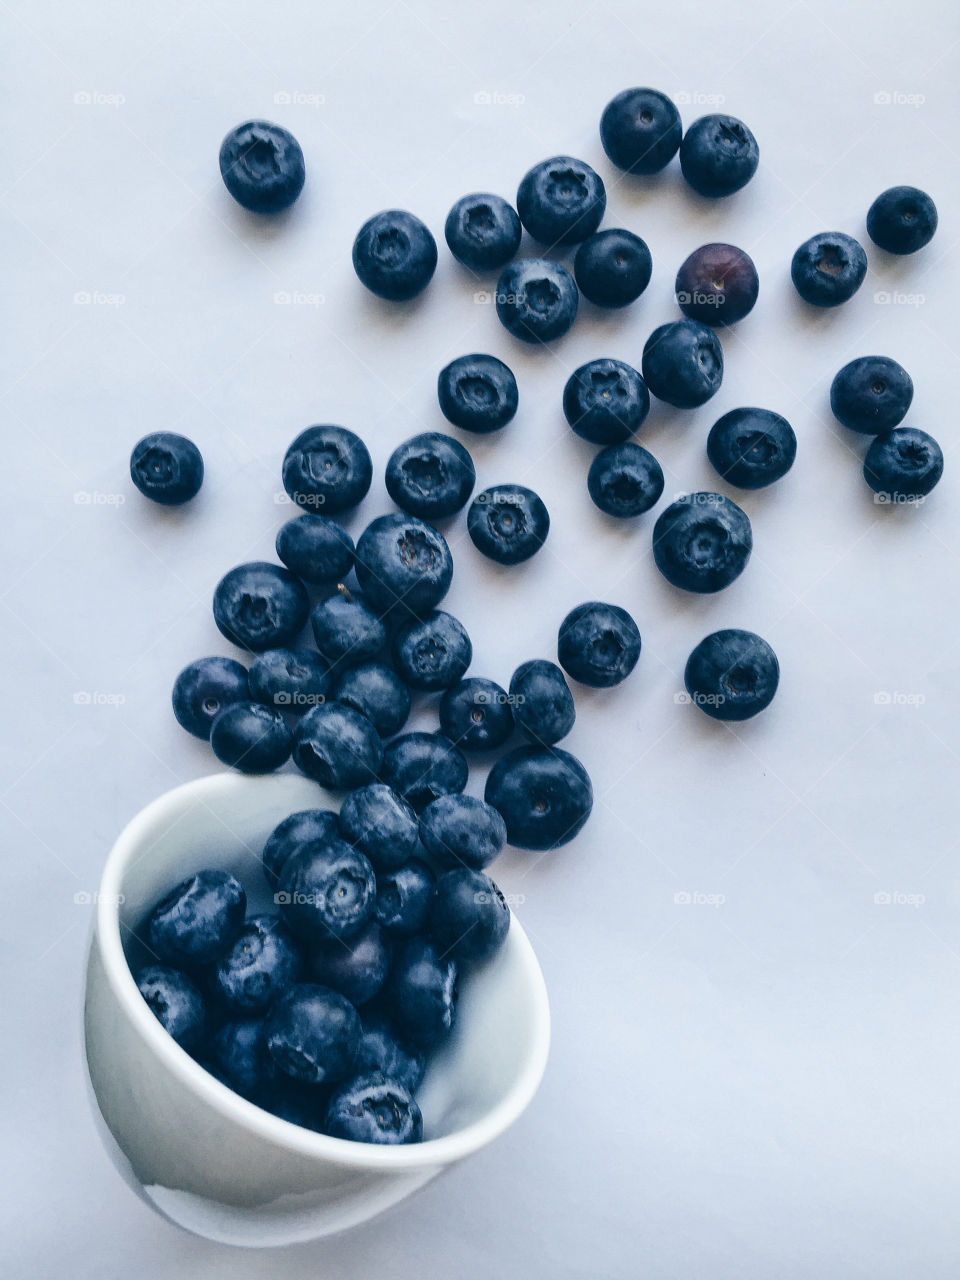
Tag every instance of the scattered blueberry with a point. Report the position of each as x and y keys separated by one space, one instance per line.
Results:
x=732 y=675
x=469 y=917
x=625 y=480
x=380 y=1051
x=328 y=467
x=377 y=693
x=477 y=393
x=327 y=891
x=432 y=654
x=430 y=476
x=175 y=1002
x=483 y=232
x=612 y=268
x=752 y=448
x=239 y=1057
x=828 y=269
x=902 y=220
x=166 y=468
x=605 y=401
x=197 y=920
x=251 y=737
x=702 y=542
x=291 y=679
x=356 y=967
x=205 y=687
x=718 y=155
x=403 y=564
x=640 y=130
x=508 y=523
x=337 y=747
x=542 y=702
x=683 y=363
x=263 y=961
x=537 y=299
x=476 y=715
x=462 y=831
x=871 y=394
x=298 y=829
x=598 y=644
x=262 y=166
x=422 y=992
x=312 y=1034
x=403 y=897
x=395 y=255
x=346 y=630
x=374 y=1108
x=260 y=606
x=543 y=793
x=423 y=766
x=381 y=825
x=903 y=465
x=717 y=284
x=561 y=201
x=315 y=548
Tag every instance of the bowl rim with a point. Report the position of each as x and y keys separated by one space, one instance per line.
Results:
x=169 y=808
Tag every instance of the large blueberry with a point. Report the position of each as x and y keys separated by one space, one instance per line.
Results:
x=422 y=766
x=395 y=255
x=462 y=831
x=346 y=630
x=356 y=967
x=828 y=269
x=262 y=166
x=752 y=448
x=422 y=992
x=561 y=201
x=166 y=468
x=640 y=130
x=476 y=715
x=903 y=465
x=263 y=961
x=731 y=675
x=327 y=891
x=204 y=688
x=902 y=220
x=374 y=1108
x=718 y=155
x=403 y=565
x=381 y=825
x=315 y=548
x=625 y=480
x=717 y=284
x=871 y=394
x=312 y=1034
x=477 y=393
x=469 y=917
x=508 y=523
x=542 y=702
x=605 y=401
x=403 y=897
x=537 y=299
x=381 y=1051
x=238 y=1056
x=251 y=737
x=296 y=830
x=260 y=606
x=483 y=231
x=377 y=693
x=337 y=747
x=612 y=268
x=683 y=363
x=702 y=542
x=176 y=1003
x=433 y=653
x=430 y=476
x=327 y=467
x=198 y=920
x=289 y=679
x=598 y=644
x=543 y=793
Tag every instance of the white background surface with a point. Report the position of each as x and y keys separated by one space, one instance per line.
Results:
x=766 y=1087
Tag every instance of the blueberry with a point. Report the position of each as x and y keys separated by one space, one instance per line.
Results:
x=828 y=269
x=543 y=793
x=403 y=564
x=561 y=201
x=260 y=606
x=315 y=548
x=381 y=825
x=483 y=231
x=432 y=654
x=476 y=715
x=422 y=992
x=430 y=476
x=542 y=702
x=902 y=220
x=289 y=679
x=731 y=675
x=394 y=255
x=422 y=766
x=346 y=630
x=537 y=299
x=374 y=1108
x=251 y=737
x=175 y=1002
x=295 y=1101
x=718 y=155
x=904 y=465
x=605 y=401
x=263 y=961
x=477 y=393
x=262 y=166
x=469 y=917
x=380 y=1051
x=239 y=1057
x=508 y=523
x=752 y=448
x=871 y=394
x=717 y=284
x=702 y=542
x=198 y=920
x=640 y=130
x=598 y=644
x=327 y=891
x=327 y=467
x=377 y=693
x=612 y=268
x=625 y=480
x=313 y=1033
x=298 y=829
x=683 y=363
x=166 y=468
x=462 y=831
x=356 y=967
x=337 y=747
x=403 y=897
x=205 y=687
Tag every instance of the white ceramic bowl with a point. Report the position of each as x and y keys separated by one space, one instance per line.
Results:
x=203 y=1156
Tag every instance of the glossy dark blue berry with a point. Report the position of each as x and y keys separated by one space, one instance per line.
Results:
x=166 y=468
x=263 y=961
x=561 y=201
x=477 y=393
x=422 y=992
x=718 y=155
x=462 y=831
x=260 y=606
x=432 y=654
x=312 y=1034
x=374 y=1108
x=204 y=688
x=298 y=829
x=702 y=542
x=903 y=465
x=625 y=480
x=508 y=523
x=828 y=269
x=176 y=1003
x=537 y=299
x=238 y=1056
x=346 y=631
x=732 y=675
x=752 y=448
x=640 y=130
x=403 y=897
x=871 y=394
x=403 y=565
x=483 y=231
x=430 y=476
x=612 y=268
x=381 y=825
x=422 y=766
x=337 y=747
x=356 y=967
x=327 y=469
x=377 y=693
x=198 y=920
x=469 y=917
x=902 y=220
x=327 y=891
x=543 y=793
x=598 y=644
x=542 y=702
x=683 y=363
x=395 y=255
x=717 y=284
x=289 y=679
x=381 y=1051
x=315 y=548
x=605 y=401
x=262 y=166
x=476 y=715
x=251 y=737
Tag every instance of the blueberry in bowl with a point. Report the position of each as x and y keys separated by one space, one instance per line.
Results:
x=717 y=284
x=732 y=675
x=605 y=401
x=752 y=448
x=903 y=465
x=683 y=363
x=374 y=1108
x=422 y=766
x=197 y=919
x=612 y=268
x=902 y=220
x=329 y=467
x=337 y=747
x=508 y=523
x=483 y=231
x=537 y=299
x=702 y=542
x=640 y=130
x=561 y=201
x=327 y=891
x=431 y=476
x=828 y=269
x=625 y=480
x=380 y=823
x=469 y=916
x=718 y=155
x=871 y=395
x=598 y=644
x=357 y=967
x=395 y=255
x=205 y=687
x=262 y=166
x=295 y=830
x=167 y=468
x=403 y=898
x=477 y=393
